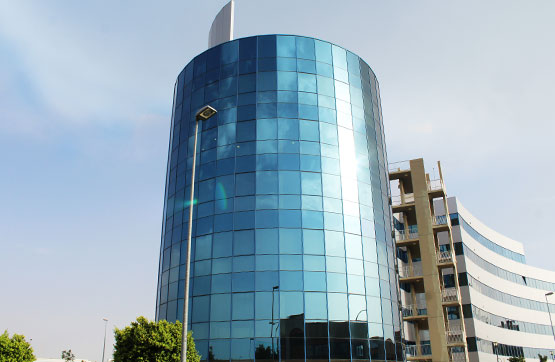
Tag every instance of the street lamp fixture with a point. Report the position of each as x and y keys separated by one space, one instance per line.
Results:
x=202 y=114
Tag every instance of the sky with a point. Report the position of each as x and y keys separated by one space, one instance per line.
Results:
x=85 y=104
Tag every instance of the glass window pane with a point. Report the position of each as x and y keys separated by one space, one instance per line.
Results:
x=337 y=306
x=290 y=241
x=243 y=306
x=316 y=306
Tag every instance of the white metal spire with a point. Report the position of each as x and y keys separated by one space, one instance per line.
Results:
x=222 y=27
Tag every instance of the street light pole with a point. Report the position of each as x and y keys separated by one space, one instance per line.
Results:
x=549 y=312
x=104 y=345
x=202 y=115
x=495 y=345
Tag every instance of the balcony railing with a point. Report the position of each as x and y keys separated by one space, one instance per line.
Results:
x=457 y=357
x=435 y=185
x=408 y=272
x=454 y=333
x=414 y=350
x=406 y=234
x=449 y=295
x=444 y=257
x=399 y=199
x=413 y=310
x=399 y=166
x=439 y=220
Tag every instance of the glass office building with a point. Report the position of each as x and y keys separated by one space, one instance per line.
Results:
x=292 y=253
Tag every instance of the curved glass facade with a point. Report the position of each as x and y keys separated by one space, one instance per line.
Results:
x=292 y=255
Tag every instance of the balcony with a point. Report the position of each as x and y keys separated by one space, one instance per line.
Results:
x=440 y=223
x=449 y=295
x=457 y=357
x=409 y=234
x=400 y=166
x=400 y=203
x=436 y=188
x=406 y=272
x=445 y=257
x=454 y=334
x=413 y=311
x=418 y=350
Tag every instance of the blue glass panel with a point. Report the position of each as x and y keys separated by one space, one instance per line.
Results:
x=333 y=221
x=325 y=86
x=267 y=64
x=241 y=349
x=307 y=82
x=267 y=182
x=315 y=281
x=267 y=97
x=221 y=283
x=203 y=246
x=287 y=81
x=247 y=83
x=311 y=183
x=290 y=218
x=267 y=110
x=328 y=133
x=243 y=220
x=243 y=242
x=287 y=64
x=219 y=330
x=312 y=202
x=266 y=146
x=314 y=262
x=305 y=48
x=306 y=66
x=288 y=146
x=291 y=304
x=312 y=219
x=316 y=306
x=245 y=164
x=288 y=162
x=313 y=241
x=309 y=130
x=243 y=306
x=201 y=285
x=205 y=225
x=339 y=57
x=266 y=202
x=266 y=81
x=308 y=98
x=286 y=46
x=246 y=112
x=222 y=265
x=290 y=241
x=323 y=51
x=200 y=309
x=245 y=184
x=226 y=134
x=243 y=263
x=266 y=162
x=331 y=185
x=243 y=282
x=223 y=222
x=247 y=48
x=266 y=241
x=354 y=266
x=266 y=218
x=267 y=262
x=289 y=182
x=263 y=306
x=289 y=202
x=335 y=245
x=287 y=110
x=291 y=262
x=242 y=329
x=330 y=166
x=228 y=87
x=291 y=280
x=229 y=52
x=221 y=307
x=266 y=280
x=337 y=306
x=267 y=46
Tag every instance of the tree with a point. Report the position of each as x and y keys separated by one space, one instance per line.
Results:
x=68 y=356
x=542 y=358
x=147 y=341
x=517 y=359
x=15 y=349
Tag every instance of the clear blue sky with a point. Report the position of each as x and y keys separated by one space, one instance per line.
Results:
x=85 y=100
